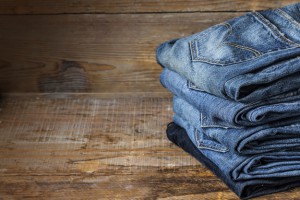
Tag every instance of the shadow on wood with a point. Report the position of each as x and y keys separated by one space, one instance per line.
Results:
x=70 y=76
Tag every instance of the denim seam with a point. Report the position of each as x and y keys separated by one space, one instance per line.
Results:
x=192 y=49
x=288 y=17
x=259 y=101
x=195 y=57
x=255 y=52
x=203 y=125
x=192 y=68
x=219 y=62
x=202 y=145
x=260 y=18
x=229 y=27
x=192 y=86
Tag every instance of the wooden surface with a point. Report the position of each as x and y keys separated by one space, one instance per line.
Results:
x=98 y=147
x=130 y=6
x=90 y=53
x=82 y=112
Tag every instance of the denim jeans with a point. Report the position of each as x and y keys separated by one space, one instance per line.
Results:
x=247 y=176
x=218 y=112
x=243 y=141
x=246 y=59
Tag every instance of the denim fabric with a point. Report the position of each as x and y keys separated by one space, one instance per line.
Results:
x=244 y=141
x=218 y=112
x=241 y=167
x=247 y=176
x=246 y=59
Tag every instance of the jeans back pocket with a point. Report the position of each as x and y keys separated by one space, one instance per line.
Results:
x=238 y=40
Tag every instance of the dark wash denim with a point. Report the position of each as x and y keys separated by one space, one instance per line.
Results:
x=218 y=112
x=246 y=59
x=222 y=165
x=243 y=141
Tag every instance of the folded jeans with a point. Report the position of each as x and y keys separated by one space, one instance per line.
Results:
x=218 y=112
x=243 y=141
x=246 y=59
x=247 y=176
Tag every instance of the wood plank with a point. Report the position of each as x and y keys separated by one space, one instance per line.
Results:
x=90 y=53
x=97 y=147
x=133 y=6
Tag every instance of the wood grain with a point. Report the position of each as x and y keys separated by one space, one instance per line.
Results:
x=90 y=53
x=104 y=147
x=130 y=6
x=97 y=147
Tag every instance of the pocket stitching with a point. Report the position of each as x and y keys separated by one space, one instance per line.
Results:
x=288 y=17
x=213 y=125
x=229 y=27
x=255 y=52
x=196 y=57
x=260 y=18
x=202 y=145
x=192 y=86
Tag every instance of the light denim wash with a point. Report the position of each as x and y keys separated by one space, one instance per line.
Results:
x=247 y=176
x=246 y=59
x=243 y=141
x=218 y=112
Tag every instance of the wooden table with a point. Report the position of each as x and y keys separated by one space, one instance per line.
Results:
x=82 y=112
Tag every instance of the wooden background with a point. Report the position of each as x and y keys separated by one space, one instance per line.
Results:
x=82 y=112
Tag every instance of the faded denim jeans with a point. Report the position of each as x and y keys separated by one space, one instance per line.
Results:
x=243 y=141
x=218 y=112
x=246 y=59
x=247 y=176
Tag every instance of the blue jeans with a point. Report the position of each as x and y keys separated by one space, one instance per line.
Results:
x=243 y=141
x=247 y=176
x=246 y=59
x=218 y=112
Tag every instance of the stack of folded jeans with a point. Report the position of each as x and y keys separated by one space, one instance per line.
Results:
x=236 y=88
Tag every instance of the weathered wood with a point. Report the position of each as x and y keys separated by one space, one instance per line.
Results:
x=90 y=53
x=130 y=6
x=97 y=147
x=113 y=147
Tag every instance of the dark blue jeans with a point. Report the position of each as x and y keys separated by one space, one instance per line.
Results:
x=246 y=59
x=218 y=112
x=249 y=178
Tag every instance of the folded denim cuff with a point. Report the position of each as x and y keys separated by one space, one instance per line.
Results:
x=244 y=141
x=218 y=112
x=244 y=189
